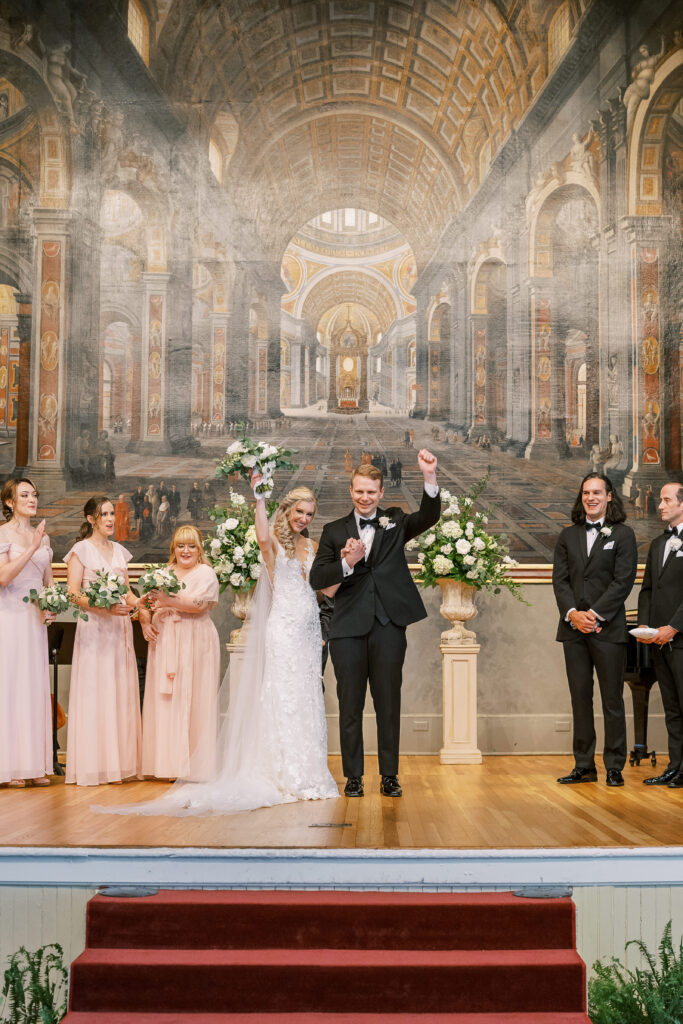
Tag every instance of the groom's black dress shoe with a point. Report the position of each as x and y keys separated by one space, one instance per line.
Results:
x=354 y=786
x=579 y=775
x=677 y=781
x=390 y=786
x=661 y=780
x=614 y=777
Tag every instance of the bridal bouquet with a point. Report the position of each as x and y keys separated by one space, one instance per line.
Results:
x=106 y=590
x=54 y=599
x=160 y=577
x=459 y=547
x=232 y=549
x=245 y=456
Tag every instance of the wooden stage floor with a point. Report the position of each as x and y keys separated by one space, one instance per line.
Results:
x=505 y=803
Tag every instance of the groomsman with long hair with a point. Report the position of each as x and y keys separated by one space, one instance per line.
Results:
x=660 y=606
x=593 y=572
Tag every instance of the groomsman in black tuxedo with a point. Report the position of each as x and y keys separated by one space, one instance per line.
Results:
x=660 y=605
x=593 y=572
x=363 y=556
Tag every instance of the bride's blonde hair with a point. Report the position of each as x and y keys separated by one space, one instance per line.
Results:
x=281 y=528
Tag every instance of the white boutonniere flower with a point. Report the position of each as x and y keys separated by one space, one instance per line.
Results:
x=386 y=523
x=606 y=531
x=675 y=543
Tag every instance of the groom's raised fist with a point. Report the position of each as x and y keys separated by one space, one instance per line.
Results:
x=427 y=463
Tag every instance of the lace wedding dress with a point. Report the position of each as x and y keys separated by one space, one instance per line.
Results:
x=272 y=748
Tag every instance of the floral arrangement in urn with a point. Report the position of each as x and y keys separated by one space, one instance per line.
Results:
x=461 y=556
x=244 y=456
x=232 y=549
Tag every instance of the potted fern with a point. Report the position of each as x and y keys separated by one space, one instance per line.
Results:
x=35 y=986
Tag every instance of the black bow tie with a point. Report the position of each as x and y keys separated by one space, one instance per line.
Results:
x=369 y=522
x=671 y=531
x=594 y=526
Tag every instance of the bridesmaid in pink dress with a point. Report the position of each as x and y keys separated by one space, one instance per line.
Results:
x=103 y=738
x=25 y=718
x=179 y=717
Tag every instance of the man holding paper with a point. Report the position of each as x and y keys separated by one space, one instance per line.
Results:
x=660 y=606
x=593 y=572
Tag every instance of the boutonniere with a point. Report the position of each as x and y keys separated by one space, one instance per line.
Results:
x=386 y=523
x=606 y=531
x=675 y=543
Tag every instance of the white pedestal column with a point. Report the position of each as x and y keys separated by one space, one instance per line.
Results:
x=459 y=675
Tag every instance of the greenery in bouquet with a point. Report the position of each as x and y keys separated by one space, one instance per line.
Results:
x=106 y=590
x=54 y=599
x=159 y=577
x=232 y=548
x=460 y=547
x=244 y=456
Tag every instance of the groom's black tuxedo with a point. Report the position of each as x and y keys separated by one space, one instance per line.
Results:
x=372 y=608
x=661 y=604
x=600 y=582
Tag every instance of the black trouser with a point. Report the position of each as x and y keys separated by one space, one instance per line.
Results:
x=378 y=658
x=582 y=656
x=669 y=669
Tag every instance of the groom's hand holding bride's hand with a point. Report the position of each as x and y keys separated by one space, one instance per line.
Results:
x=427 y=463
x=353 y=551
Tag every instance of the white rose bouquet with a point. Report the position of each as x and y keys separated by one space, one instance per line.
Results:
x=54 y=599
x=232 y=549
x=160 y=577
x=106 y=590
x=245 y=456
x=461 y=548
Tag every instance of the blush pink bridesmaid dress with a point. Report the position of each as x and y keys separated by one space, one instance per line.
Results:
x=103 y=724
x=25 y=718
x=179 y=717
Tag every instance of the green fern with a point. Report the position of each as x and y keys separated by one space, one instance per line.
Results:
x=652 y=995
x=35 y=986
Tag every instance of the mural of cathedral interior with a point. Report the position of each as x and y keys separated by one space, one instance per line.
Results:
x=354 y=226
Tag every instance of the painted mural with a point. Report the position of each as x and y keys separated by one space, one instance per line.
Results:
x=356 y=228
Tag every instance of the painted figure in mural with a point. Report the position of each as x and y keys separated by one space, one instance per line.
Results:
x=147 y=519
x=163 y=527
x=660 y=606
x=361 y=561
x=348 y=461
x=181 y=684
x=137 y=500
x=122 y=519
x=174 y=502
x=593 y=572
x=642 y=77
x=103 y=738
x=25 y=715
x=194 y=502
x=273 y=746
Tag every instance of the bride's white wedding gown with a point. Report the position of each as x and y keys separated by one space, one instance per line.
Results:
x=273 y=746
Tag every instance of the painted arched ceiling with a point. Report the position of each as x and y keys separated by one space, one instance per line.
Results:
x=383 y=104
x=351 y=286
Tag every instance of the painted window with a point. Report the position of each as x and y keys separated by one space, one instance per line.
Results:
x=216 y=160
x=138 y=29
x=559 y=36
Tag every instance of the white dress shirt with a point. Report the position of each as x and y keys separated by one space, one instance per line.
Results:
x=675 y=532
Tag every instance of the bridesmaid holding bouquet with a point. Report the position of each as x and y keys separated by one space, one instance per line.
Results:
x=25 y=717
x=103 y=739
x=179 y=718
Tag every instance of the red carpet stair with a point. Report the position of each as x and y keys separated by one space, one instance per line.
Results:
x=328 y=958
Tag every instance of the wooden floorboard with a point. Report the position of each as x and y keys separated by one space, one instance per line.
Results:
x=507 y=802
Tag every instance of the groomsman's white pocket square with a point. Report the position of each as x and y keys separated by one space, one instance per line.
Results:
x=610 y=545
x=392 y=526
x=679 y=554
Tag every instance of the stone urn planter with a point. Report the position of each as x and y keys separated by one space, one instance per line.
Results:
x=458 y=607
x=241 y=603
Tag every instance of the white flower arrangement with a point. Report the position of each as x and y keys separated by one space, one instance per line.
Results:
x=160 y=577
x=55 y=599
x=606 y=531
x=245 y=455
x=385 y=522
x=106 y=590
x=675 y=543
x=233 y=549
x=475 y=556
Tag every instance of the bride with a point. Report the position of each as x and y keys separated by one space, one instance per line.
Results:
x=272 y=748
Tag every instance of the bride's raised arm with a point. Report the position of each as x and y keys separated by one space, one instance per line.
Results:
x=262 y=527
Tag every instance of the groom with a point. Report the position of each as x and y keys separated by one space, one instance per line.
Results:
x=361 y=558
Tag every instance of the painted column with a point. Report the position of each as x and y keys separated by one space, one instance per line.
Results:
x=541 y=371
x=421 y=358
x=24 y=326
x=47 y=444
x=154 y=351
x=478 y=328
x=219 y=335
x=363 y=403
x=237 y=357
x=332 y=403
x=647 y=238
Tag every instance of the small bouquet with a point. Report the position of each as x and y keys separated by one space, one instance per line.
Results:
x=460 y=548
x=106 y=590
x=54 y=599
x=245 y=456
x=160 y=577
x=232 y=549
